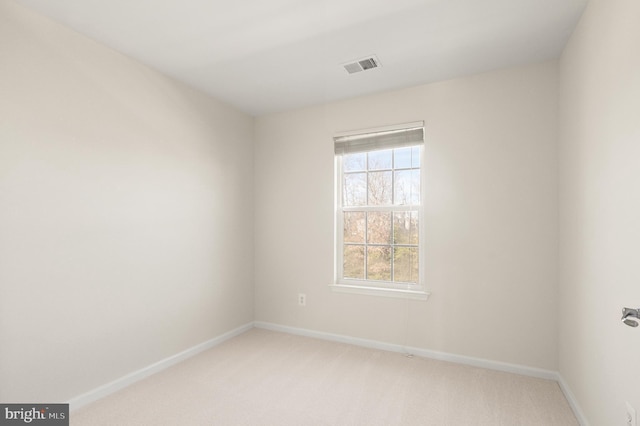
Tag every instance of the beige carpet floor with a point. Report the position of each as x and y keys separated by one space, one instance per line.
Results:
x=267 y=378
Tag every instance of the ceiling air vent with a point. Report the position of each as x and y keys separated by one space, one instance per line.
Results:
x=362 y=64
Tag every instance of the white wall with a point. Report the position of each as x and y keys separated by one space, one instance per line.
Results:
x=491 y=206
x=600 y=209
x=125 y=213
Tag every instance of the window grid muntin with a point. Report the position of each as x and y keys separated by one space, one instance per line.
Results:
x=392 y=246
x=366 y=171
x=391 y=208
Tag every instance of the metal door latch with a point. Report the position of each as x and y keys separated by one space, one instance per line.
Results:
x=631 y=316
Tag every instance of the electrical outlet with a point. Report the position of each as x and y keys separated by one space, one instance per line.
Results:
x=631 y=415
x=302 y=299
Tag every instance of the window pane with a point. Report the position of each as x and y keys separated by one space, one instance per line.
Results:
x=355 y=189
x=405 y=227
x=379 y=160
x=402 y=158
x=379 y=263
x=402 y=187
x=407 y=187
x=379 y=228
x=354 y=162
x=354 y=227
x=415 y=156
x=380 y=188
x=353 y=262
x=405 y=264
x=415 y=186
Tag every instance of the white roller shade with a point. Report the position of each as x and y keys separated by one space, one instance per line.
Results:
x=383 y=139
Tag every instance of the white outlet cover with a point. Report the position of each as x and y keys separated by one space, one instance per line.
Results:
x=631 y=415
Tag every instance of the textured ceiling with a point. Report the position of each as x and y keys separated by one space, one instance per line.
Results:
x=265 y=56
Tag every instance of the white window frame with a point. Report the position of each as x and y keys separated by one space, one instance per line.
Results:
x=375 y=287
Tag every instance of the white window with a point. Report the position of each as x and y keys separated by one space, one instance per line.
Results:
x=379 y=240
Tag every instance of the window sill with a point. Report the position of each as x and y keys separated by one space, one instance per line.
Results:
x=384 y=292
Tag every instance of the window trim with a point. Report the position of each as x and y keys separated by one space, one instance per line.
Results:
x=380 y=291
x=373 y=287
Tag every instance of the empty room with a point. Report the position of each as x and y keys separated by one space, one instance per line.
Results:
x=320 y=212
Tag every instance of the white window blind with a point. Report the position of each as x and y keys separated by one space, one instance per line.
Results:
x=378 y=140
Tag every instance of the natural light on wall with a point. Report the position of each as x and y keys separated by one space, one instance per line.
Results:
x=379 y=223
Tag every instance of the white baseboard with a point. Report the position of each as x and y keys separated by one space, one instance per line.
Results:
x=122 y=382
x=573 y=402
x=425 y=353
